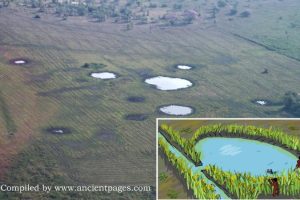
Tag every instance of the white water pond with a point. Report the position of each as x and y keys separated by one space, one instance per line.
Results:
x=261 y=102
x=184 y=67
x=19 y=62
x=103 y=75
x=176 y=110
x=168 y=83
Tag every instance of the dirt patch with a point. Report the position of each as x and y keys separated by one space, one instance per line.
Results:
x=144 y=73
x=107 y=135
x=58 y=130
x=59 y=91
x=42 y=78
x=136 y=99
x=136 y=117
x=223 y=59
x=93 y=65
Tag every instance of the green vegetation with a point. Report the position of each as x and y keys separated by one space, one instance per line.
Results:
x=245 y=186
x=5 y=113
x=291 y=103
x=188 y=145
x=229 y=79
x=240 y=130
x=185 y=144
x=200 y=188
x=172 y=194
x=162 y=176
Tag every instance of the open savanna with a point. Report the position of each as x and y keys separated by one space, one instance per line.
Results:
x=52 y=90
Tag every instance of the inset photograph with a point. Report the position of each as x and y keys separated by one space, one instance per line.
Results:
x=228 y=158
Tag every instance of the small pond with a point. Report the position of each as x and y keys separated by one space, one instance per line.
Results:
x=19 y=62
x=243 y=155
x=261 y=102
x=58 y=130
x=168 y=83
x=103 y=75
x=184 y=67
x=176 y=110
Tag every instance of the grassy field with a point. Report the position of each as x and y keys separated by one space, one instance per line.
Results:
x=53 y=90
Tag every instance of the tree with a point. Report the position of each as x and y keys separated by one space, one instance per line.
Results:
x=100 y=14
x=129 y=26
x=245 y=14
x=291 y=102
x=4 y=3
x=221 y=3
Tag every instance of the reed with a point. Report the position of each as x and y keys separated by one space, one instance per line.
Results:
x=292 y=142
x=246 y=186
x=186 y=145
x=200 y=188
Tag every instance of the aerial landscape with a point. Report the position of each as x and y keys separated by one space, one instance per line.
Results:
x=82 y=82
x=228 y=159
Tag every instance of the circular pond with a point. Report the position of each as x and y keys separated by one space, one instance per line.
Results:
x=58 y=130
x=184 y=67
x=103 y=75
x=18 y=61
x=176 y=110
x=243 y=155
x=168 y=83
x=261 y=102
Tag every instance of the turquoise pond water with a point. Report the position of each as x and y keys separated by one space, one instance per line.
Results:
x=243 y=155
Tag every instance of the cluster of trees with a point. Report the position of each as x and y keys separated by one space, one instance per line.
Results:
x=245 y=186
x=291 y=102
x=200 y=188
x=186 y=145
x=4 y=3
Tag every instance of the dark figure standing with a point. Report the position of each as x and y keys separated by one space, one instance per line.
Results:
x=298 y=164
x=265 y=71
x=274 y=184
x=297 y=168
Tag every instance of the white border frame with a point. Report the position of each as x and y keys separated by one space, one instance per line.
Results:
x=207 y=119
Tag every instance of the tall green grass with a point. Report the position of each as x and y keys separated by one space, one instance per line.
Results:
x=200 y=188
x=240 y=130
x=245 y=186
x=186 y=145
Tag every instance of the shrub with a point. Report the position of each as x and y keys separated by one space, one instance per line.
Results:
x=152 y=5
x=245 y=14
x=232 y=12
x=221 y=3
x=177 y=6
